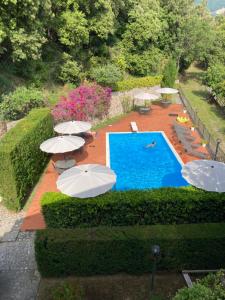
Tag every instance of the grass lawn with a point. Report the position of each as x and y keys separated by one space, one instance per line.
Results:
x=209 y=113
x=116 y=287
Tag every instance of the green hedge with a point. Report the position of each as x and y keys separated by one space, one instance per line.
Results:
x=22 y=162
x=162 y=206
x=137 y=82
x=105 y=250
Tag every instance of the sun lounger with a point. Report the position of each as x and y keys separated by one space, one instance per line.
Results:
x=195 y=146
x=195 y=153
x=185 y=138
x=133 y=126
x=181 y=128
x=184 y=135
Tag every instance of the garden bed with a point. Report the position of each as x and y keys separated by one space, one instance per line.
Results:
x=117 y=287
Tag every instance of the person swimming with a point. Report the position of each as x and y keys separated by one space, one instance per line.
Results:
x=152 y=145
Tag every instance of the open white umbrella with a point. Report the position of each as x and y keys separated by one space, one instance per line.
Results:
x=167 y=91
x=86 y=181
x=62 y=144
x=208 y=175
x=146 y=96
x=72 y=127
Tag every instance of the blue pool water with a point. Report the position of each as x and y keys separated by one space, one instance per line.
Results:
x=138 y=167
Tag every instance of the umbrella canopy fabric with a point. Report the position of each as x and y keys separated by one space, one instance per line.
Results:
x=208 y=175
x=86 y=181
x=72 y=127
x=62 y=144
x=146 y=96
x=167 y=91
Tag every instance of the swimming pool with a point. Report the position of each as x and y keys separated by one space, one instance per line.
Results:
x=138 y=167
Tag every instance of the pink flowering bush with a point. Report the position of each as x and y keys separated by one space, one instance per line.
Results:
x=85 y=103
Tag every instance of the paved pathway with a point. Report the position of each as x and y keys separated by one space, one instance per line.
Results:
x=19 y=278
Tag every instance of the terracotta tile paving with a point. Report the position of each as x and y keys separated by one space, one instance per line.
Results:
x=95 y=152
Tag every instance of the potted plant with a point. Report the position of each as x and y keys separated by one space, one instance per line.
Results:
x=145 y=109
x=193 y=127
x=204 y=143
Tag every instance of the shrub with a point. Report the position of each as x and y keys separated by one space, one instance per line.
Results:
x=215 y=79
x=214 y=75
x=162 y=206
x=147 y=63
x=220 y=93
x=17 y=104
x=67 y=291
x=70 y=71
x=169 y=74
x=210 y=287
x=106 y=75
x=22 y=162
x=86 y=102
x=6 y=85
x=136 y=82
x=127 y=103
x=110 y=250
x=198 y=292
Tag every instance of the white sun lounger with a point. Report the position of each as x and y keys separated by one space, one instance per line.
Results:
x=133 y=126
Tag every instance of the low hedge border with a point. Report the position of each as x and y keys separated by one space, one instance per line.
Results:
x=22 y=161
x=137 y=82
x=162 y=206
x=104 y=250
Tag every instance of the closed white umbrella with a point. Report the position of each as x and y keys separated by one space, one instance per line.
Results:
x=86 y=181
x=146 y=96
x=62 y=144
x=72 y=127
x=167 y=91
x=208 y=175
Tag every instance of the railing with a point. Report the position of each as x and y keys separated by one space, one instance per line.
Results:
x=213 y=145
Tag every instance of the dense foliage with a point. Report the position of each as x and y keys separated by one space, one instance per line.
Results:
x=17 y=104
x=107 y=75
x=109 y=250
x=215 y=79
x=211 y=288
x=133 y=82
x=161 y=206
x=22 y=161
x=87 y=102
x=65 y=39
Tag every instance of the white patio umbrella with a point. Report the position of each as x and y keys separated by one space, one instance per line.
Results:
x=167 y=91
x=208 y=175
x=86 y=181
x=72 y=127
x=146 y=96
x=62 y=144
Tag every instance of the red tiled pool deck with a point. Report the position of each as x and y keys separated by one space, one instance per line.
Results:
x=95 y=152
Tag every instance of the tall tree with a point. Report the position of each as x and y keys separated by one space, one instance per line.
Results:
x=22 y=27
x=188 y=30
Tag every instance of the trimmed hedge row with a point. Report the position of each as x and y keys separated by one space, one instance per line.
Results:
x=105 y=250
x=137 y=82
x=22 y=162
x=162 y=206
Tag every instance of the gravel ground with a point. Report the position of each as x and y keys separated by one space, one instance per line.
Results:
x=19 y=278
x=9 y=224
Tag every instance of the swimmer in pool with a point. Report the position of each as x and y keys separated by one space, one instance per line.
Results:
x=152 y=145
